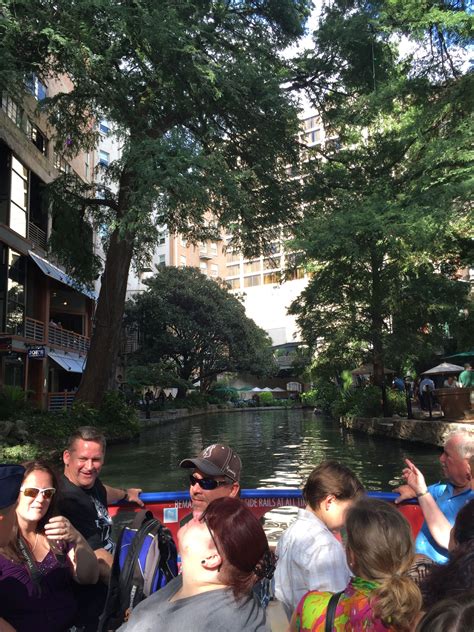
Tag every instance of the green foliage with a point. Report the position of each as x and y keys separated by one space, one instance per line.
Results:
x=397 y=404
x=117 y=420
x=387 y=214
x=193 y=400
x=20 y=453
x=195 y=326
x=266 y=399
x=185 y=85
x=367 y=402
x=12 y=402
x=322 y=396
x=359 y=402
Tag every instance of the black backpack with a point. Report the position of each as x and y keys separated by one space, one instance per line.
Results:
x=145 y=560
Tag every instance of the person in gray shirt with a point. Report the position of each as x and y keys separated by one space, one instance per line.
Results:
x=224 y=553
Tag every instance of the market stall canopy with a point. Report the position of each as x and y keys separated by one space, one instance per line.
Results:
x=442 y=368
x=368 y=369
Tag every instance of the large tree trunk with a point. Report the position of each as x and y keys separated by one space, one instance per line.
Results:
x=99 y=375
x=376 y=327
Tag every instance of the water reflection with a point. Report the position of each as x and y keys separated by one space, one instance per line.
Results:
x=278 y=449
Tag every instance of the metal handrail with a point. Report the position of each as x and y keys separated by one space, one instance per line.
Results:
x=67 y=339
x=280 y=492
x=60 y=401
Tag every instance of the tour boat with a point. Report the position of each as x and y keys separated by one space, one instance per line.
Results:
x=172 y=507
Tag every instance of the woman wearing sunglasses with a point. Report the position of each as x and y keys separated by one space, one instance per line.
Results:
x=45 y=554
x=224 y=553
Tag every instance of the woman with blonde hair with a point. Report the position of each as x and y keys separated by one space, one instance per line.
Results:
x=381 y=596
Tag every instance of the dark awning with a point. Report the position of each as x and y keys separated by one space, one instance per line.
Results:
x=68 y=362
x=59 y=275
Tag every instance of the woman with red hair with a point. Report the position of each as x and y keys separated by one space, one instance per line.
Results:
x=224 y=553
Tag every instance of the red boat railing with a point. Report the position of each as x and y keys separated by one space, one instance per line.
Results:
x=172 y=507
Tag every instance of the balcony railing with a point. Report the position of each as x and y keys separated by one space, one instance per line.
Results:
x=60 y=401
x=36 y=235
x=67 y=339
x=34 y=329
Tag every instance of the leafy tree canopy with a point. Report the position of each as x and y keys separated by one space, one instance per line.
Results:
x=195 y=324
x=387 y=220
x=198 y=93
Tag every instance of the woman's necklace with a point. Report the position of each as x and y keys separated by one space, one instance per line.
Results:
x=36 y=542
x=32 y=548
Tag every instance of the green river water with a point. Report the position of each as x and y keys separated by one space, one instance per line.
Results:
x=278 y=448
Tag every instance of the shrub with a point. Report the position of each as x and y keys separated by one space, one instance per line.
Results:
x=193 y=400
x=322 y=396
x=266 y=399
x=115 y=417
x=397 y=404
x=358 y=402
x=367 y=402
x=20 y=453
x=12 y=402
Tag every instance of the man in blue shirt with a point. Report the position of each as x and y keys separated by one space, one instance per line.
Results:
x=449 y=497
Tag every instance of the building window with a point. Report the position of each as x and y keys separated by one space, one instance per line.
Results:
x=162 y=261
x=183 y=242
x=232 y=256
x=15 y=317
x=37 y=89
x=273 y=278
x=104 y=158
x=310 y=122
x=161 y=239
x=38 y=139
x=18 y=197
x=234 y=284
x=233 y=270
x=12 y=110
x=182 y=260
x=271 y=262
x=61 y=164
x=203 y=267
x=104 y=128
x=297 y=273
x=214 y=270
x=253 y=266
x=214 y=248
x=251 y=281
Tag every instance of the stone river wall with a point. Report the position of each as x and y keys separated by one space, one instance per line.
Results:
x=422 y=430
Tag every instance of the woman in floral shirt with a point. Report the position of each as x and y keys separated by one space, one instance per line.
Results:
x=381 y=597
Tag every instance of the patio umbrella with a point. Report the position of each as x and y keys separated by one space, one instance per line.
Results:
x=267 y=389
x=463 y=355
x=443 y=368
x=256 y=390
x=278 y=390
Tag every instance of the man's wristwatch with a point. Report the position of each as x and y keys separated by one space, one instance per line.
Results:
x=423 y=493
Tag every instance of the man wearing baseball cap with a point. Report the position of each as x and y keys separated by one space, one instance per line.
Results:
x=216 y=473
x=11 y=477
